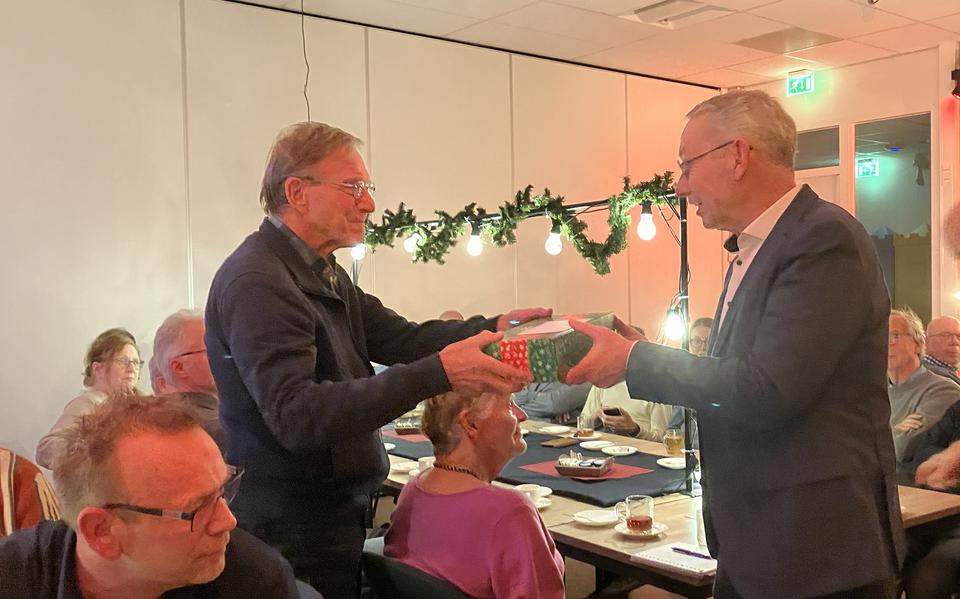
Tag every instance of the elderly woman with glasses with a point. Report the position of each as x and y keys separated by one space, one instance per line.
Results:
x=453 y=524
x=111 y=367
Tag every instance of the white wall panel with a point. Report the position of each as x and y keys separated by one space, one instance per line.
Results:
x=570 y=136
x=91 y=115
x=245 y=74
x=656 y=119
x=440 y=139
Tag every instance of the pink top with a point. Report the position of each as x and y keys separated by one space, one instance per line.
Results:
x=489 y=541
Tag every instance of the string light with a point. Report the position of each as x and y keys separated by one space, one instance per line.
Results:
x=359 y=251
x=475 y=245
x=554 y=245
x=410 y=243
x=674 y=327
x=646 y=229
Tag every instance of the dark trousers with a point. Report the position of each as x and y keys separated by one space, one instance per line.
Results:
x=322 y=541
x=888 y=589
x=932 y=570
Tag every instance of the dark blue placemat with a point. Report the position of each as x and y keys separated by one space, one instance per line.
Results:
x=604 y=493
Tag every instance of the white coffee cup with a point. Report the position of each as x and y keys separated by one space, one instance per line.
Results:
x=534 y=492
x=424 y=463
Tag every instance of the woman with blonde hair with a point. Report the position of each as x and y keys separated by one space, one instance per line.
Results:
x=453 y=524
x=111 y=367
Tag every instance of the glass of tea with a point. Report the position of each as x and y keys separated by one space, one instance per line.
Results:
x=637 y=512
x=673 y=441
x=585 y=424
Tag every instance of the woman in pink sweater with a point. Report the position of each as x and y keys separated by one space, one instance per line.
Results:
x=453 y=524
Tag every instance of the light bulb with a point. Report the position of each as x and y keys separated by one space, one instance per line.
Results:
x=553 y=245
x=358 y=252
x=673 y=329
x=956 y=295
x=410 y=243
x=475 y=245
x=646 y=230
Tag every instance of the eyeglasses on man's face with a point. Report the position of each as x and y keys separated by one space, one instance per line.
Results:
x=127 y=363
x=198 y=518
x=356 y=188
x=697 y=342
x=686 y=165
x=896 y=336
x=947 y=336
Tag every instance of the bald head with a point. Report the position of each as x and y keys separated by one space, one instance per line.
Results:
x=943 y=339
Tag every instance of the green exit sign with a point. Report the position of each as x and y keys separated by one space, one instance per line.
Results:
x=799 y=82
x=868 y=167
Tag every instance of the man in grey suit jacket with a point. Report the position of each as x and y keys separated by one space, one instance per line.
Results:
x=799 y=479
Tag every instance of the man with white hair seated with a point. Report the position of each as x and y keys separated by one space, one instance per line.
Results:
x=179 y=365
x=943 y=347
x=144 y=497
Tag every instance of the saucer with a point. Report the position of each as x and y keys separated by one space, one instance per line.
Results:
x=556 y=429
x=595 y=435
x=404 y=467
x=542 y=503
x=595 y=518
x=389 y=446
x=672 y=463
x=656 y=530
x=618 y=450
x=596 y=445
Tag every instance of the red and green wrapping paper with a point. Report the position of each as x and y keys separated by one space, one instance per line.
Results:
x=547 y=348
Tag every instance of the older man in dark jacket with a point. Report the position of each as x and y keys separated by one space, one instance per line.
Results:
x=290 y=341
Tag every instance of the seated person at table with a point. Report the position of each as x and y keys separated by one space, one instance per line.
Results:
x=556 y=402
x=453 y=524
x=111 y=367
x=26 y=497
x=637 y=418
x=943 y=347
x=918 y=398
x=144 y=494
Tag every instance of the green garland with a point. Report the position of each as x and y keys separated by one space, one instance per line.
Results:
x=439 y=236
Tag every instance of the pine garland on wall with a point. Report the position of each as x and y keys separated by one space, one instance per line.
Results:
x=431 y=241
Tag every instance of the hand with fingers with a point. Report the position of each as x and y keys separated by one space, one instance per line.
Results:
x=912 y=422
x=606 y=363
x=469 y=369
x=620 y=422
x=520 y=316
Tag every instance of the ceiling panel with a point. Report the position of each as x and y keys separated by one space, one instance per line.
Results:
x=731 y=29
x=610 y=7
x=726 y=78
x=578 y=23
x=918 y=10
x=383 y=13
x=508 y=37
x=951 y=23
x=841 y=53
x=910 y=38
x=775 y=67
x=739 y=4
x=836 y=17
x=477 y=10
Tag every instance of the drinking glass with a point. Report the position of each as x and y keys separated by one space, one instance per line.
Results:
x=637 y=512
x=673 y=441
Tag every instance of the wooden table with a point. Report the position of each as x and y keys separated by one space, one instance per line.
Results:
x=610 y=551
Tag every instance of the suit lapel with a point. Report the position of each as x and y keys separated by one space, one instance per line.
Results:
x=761 y=268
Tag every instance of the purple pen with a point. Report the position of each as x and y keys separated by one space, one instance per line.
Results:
x=691 y=553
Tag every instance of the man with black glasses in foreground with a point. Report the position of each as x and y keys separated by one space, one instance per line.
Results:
x=144 y=494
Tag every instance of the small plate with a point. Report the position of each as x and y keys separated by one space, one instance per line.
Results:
x=655 y=531
x=542 y=503
x=596 y=445
x=389 y=446
x=619 y=450
x=595 y=518
x=556 y=429
x=595 y=435
x=672 y=463
x=404 y=467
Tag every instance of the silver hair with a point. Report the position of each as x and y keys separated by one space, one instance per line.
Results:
x=755 y=116
x=914 y=326
x=168 y=341
x=296 y=148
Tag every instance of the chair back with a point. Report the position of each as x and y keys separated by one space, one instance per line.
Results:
x=393 y=579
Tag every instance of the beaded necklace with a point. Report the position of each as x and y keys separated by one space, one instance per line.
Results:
x=461 y=469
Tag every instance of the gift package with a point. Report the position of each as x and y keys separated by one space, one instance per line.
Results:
x=547 y=348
